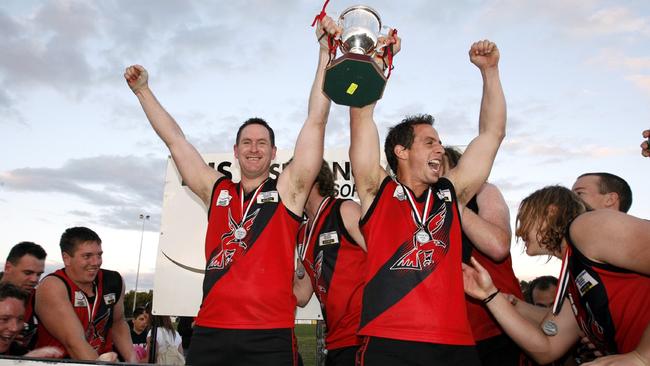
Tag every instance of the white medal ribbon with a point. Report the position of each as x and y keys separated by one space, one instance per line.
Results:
x=420 y=235
x=309 y=230
x=240 y=232
x=91 y=312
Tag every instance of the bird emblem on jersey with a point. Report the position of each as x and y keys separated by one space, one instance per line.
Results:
x=230 y=244
x=420 y=254
x=96 y=331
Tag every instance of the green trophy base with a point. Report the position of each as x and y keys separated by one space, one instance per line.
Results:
x=354 y=80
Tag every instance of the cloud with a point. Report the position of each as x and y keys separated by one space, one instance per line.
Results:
x=121 y=187
x=612 y=21
x=556 y=150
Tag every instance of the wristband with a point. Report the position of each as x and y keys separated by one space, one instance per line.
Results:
x=490 y=297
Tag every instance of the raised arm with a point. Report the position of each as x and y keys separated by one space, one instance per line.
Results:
x=296 y=179
x=364 y=147
x=198 y=176
x=55 y=313
x=121 y=333
x=542 y=348
x=489 y=230
x=474 y=166
x=365 y=155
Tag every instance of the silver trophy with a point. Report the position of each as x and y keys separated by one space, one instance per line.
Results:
x=354 y=79
x=361 y=26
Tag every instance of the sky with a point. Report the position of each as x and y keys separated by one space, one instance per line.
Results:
x=77 y=149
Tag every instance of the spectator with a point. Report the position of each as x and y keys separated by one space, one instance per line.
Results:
x=139 y=328
x=169 y=349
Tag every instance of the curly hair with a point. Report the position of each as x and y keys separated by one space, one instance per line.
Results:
x=550 y=210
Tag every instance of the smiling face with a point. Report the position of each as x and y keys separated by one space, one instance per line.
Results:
x=83 y=265
x=25 y=273
x=423 y=160
x=12 y=313
x=254 y=151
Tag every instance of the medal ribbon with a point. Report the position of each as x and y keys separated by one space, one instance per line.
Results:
x=563 y=283
x=310 y=228
x=414 y=208
x=91 y=312
x=250 y=203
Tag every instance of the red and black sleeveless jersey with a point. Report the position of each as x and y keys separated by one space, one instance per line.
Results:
x=336 y=266
x=414 y=290
x=611 y=304
x=28 y=333
x=248 y=281
x=483 y=324
x=95 y=313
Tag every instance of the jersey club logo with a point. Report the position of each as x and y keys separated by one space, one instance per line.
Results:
x=420 y=256
x=229 y=242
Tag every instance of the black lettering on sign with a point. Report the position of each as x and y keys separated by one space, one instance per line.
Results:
x=342 y=172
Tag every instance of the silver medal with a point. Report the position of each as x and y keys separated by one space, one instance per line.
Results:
x=240 y=233
x=422 y=237
x=549 y=328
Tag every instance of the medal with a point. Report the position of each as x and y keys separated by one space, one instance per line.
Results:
x=422 y=236
x=240 y=233
x=549 y=328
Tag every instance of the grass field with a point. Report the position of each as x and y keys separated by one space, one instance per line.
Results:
x=306 y=335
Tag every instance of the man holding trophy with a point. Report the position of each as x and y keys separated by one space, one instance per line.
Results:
x=248 y=310
x=413 y=303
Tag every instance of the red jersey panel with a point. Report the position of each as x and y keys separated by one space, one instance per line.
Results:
x=336 y=266
x=248 y=282
x=611 y=304
x=414 y=284
x=95 y=313
x=483 y=324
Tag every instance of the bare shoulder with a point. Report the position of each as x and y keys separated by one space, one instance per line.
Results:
x=350 y=210
x=51 y=284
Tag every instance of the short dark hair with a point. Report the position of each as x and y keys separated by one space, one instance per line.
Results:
x=74 y=236
x=7 y=290
x=25 y=248
x=613 y=183
x=540 y=283
x=402 y=134
x=256 y=121
x=325 y=180
x=139 y=311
